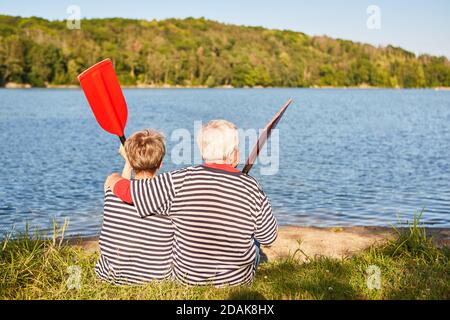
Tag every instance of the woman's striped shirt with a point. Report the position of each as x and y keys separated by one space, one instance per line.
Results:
x=133 y=250
x=217 y=215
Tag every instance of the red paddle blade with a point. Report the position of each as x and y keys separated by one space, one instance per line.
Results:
x=103 y=92
x=264 y=136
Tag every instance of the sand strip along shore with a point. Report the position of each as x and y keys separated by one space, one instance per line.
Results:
x=309 y=242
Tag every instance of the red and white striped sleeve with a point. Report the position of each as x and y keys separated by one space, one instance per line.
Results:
x=266 y=223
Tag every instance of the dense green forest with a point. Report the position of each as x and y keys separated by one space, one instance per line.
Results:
x=200 y=52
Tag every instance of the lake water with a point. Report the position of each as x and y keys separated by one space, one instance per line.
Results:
x=348 y=157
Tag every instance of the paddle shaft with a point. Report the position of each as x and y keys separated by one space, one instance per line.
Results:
x=122 y=140
x=262 y=139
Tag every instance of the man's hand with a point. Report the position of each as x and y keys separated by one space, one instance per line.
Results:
x=112 y=180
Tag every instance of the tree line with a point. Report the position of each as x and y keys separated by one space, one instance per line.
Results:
x=200 y=52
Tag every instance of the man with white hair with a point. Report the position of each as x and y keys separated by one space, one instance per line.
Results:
x=219 y=214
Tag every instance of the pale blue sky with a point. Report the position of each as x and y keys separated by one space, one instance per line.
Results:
x=417 y=25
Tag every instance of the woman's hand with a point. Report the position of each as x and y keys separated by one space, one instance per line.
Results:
x=123 y=153
x=127 y=170
x=112 y=180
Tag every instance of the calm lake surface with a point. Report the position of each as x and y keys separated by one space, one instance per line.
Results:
x=348 y=157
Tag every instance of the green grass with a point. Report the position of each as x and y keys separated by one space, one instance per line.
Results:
x=411 y=268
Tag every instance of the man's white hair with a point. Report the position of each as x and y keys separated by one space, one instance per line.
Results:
x=217 y=140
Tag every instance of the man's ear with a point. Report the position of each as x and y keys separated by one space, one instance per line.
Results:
x=161 y=165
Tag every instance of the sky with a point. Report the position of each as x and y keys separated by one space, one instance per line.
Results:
x=420 y=26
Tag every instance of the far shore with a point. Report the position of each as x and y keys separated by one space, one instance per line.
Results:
x=310 y=242
x=11 y=85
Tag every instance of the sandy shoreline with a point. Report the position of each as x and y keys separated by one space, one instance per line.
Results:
x=11 y=85
x=313 y=242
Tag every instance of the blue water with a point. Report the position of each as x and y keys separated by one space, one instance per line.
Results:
x=348 y=157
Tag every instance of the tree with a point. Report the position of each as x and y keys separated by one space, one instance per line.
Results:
x=44 y=63
x=14 y=59
x=203 y=52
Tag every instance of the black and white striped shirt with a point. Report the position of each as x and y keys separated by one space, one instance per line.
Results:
x=217 y=215
x=133 y=250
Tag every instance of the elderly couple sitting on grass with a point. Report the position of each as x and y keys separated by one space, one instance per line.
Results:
x=201 y=225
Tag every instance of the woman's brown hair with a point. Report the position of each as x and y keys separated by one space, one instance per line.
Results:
x=145 y=150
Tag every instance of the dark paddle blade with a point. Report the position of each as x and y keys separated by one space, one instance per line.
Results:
x=264 y=136
x=105 y=96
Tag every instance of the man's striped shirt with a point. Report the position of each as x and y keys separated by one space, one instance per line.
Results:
x=217 y=215
x=133 y=250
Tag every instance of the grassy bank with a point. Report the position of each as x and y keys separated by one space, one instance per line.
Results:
x=411 y=266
